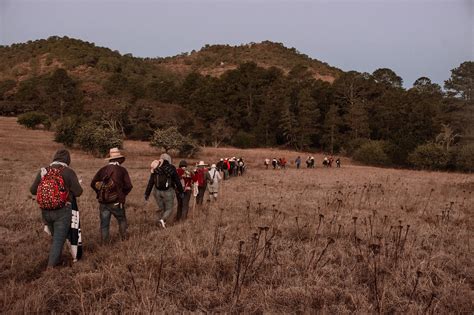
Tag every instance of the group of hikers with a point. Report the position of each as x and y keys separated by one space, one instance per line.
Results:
x=310 y=162
x=57 y=186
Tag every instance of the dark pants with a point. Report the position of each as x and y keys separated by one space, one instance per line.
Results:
x=297 y=165
x=59 y=223
x=183 y=206
x=106 y=212
x=200 y=196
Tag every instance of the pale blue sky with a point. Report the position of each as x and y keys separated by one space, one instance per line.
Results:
x=413 y=38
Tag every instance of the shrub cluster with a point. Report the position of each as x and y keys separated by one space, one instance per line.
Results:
x=33 y=120
x=373 y=153
x=97 y=139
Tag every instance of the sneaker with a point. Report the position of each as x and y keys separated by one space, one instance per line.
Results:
x=162 y=224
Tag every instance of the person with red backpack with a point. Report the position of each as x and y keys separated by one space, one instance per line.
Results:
x=55 y=187
x=112 y=184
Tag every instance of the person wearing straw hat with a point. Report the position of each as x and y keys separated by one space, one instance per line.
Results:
x=112 y=184
x=200 y=178
x=214 y=177
x=164 y=183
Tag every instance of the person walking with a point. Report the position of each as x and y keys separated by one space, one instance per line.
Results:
x=213 y=182
x=200 y=178
x=298 y=162
x=266 y=163
x=164 y=182
x=55 y=187
x=186 y=178
x=112 y=184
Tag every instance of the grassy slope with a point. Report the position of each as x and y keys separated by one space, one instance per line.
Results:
x=198 y=271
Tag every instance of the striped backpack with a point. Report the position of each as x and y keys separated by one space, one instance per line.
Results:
x=52 y=193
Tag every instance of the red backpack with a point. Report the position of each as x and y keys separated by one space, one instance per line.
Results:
x=52 y=193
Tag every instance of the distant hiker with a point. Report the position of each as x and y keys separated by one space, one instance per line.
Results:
x=219 y=165
x=164 y=183
x=226 y=168
x=112 y=184
x=338 y=162
x=298 y=162
x=186 y=178
x=233 y=166
x=331 y=160
x=326 y=161
x=200 y=178
x=283 y=163
x=266 y=163
x=213 y=179
x=312 y=162
x=274 y=163
x=240 y=166
x=308 y=162
x=55 y=186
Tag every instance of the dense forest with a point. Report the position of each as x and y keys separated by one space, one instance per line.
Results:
x=247 y=96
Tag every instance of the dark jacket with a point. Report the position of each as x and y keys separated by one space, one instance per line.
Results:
x=170 y=171
x=70 y=178
x=120 y=177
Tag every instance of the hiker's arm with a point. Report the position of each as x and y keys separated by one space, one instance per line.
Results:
x=74 y=185
x=34 y=186
x=177 y=182
x=95 y=180
x=149 y=187
x=127 y=183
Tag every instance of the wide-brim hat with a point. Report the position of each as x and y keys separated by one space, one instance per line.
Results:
x=201 y=163
x=213 y=166
x=114 y=153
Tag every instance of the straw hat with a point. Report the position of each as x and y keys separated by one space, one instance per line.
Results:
x=154 y=165
x=201 y=163
x=114 y=153
x=213 y=166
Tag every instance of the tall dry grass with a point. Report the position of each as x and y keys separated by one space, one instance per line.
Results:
x=355 y=239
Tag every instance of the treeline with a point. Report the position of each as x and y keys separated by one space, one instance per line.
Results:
x=368 y=116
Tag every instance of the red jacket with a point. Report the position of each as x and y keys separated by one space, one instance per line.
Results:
x=200 y=177
x=186 y=180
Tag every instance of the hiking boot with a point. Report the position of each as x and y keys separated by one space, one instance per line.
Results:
x=162 y=223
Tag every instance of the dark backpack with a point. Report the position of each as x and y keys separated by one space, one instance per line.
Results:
x=52 y=193
x=162 y=181
x=108 y=190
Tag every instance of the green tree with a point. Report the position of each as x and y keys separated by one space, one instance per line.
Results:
x=388 y=77
x=424 y=85
x=168 y=139
x=461 y=82
x=61 y=94
x=332 y=121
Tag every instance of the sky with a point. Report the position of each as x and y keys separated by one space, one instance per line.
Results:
x=414 y=38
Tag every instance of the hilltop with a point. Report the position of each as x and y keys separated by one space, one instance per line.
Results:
x=217 y=59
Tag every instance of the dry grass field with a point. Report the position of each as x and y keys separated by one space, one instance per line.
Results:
x=351 y=240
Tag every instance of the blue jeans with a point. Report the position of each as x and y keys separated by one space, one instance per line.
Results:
x=59 y=223
x=183 y=206
x=165 y=201
x=106 y=212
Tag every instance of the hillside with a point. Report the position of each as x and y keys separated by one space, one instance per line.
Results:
x=217 y=59
x=89 y=63
x=350 y=240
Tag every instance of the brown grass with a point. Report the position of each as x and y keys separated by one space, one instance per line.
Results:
x=355 y=239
